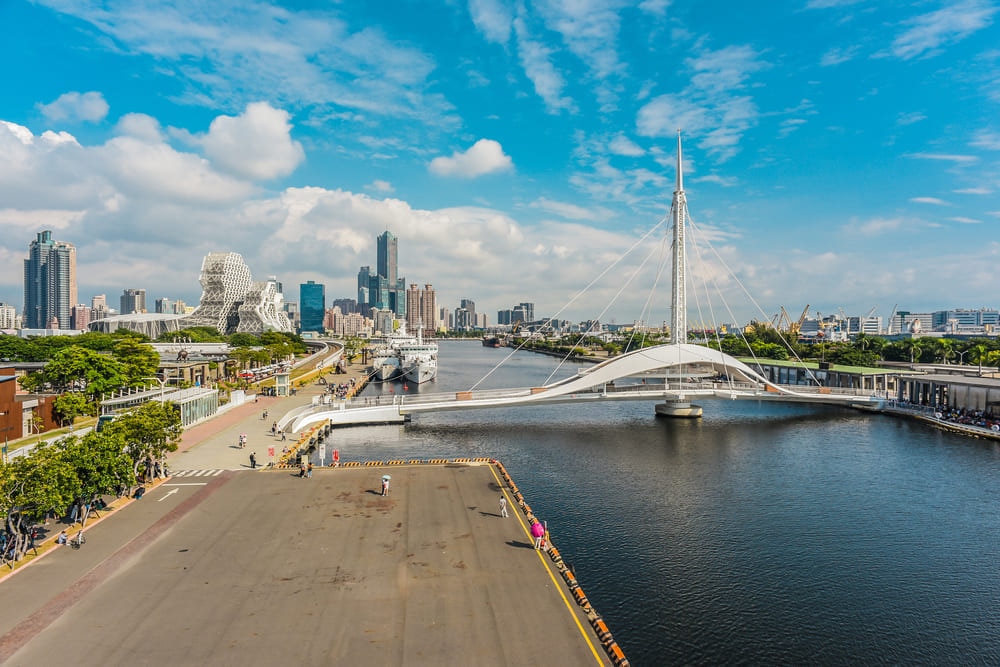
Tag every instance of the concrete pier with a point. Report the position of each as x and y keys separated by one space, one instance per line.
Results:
x=265 y=568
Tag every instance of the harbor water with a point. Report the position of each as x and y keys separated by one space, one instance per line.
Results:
x=760 y=534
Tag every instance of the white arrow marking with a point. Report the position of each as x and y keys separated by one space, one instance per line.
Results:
x=168 y=494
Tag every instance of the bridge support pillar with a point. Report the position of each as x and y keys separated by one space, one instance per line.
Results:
x=678 y=409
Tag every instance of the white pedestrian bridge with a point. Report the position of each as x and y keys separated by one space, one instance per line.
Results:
x=675 y=374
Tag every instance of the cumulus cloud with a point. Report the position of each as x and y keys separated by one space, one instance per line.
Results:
x=74 y=106
x=257 y=144
x=483 y=157
x=139 y=126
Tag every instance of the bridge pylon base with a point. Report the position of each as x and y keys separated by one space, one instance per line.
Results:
x=681 y=409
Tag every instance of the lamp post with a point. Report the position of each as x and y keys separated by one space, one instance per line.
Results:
x=961 y=357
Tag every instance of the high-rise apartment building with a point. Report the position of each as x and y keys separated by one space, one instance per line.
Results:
x=49 y=283
x=133 y=301
x=80 y=316
x=312 y=306
x=98 y=307
x=8 y=317
x=421 y=310
x=164 y=306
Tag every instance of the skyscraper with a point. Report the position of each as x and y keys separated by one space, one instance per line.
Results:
x=133 y=301
x=384 y=288
x=49 y=283
x=388 y=256
x=312 y=303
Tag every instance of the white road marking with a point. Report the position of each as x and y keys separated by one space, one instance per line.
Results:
x=168 y=494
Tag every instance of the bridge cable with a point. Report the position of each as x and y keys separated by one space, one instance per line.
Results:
x=575 y=297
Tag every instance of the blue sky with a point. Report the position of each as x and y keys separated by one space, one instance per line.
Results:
x=838 y=153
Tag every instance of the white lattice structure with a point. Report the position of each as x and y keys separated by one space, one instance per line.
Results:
x=225 y=281
x=262 y=310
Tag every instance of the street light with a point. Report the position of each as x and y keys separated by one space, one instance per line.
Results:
x=961 y=357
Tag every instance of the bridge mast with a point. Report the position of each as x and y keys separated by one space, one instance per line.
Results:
x=678 y=406
x=678 y=296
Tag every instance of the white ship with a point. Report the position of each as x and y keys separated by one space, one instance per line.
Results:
x=386 y=359
x=418 y=360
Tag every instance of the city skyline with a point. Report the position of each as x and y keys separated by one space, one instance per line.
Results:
x=837 y=153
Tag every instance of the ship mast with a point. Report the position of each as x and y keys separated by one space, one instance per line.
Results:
x=678 y=300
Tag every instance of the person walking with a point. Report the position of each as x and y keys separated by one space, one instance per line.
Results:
x=253 y=460
x=309 y=469
x=538 y=532
x=385 y=485
x=302 y=469
x=503 y=506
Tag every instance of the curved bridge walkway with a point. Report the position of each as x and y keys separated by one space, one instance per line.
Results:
x=699 y=372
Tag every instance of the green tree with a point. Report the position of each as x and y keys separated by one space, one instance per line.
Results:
x=100 y=464
x=149 y=433
x=139 y=361
x=67 y=407
x=78 y=367
x=34 y=485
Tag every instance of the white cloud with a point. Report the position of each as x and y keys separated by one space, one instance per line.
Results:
x=929 y=32
x=256 y=144
x=622 y=145
x=711 y=106
x=380 y=186
x=836 y=56
x=536 y=60
x=74 y=106
x=973 y=191
x=226 y=55
x=656 y=7
x=965 y=221
x=910 y=118
x=945 y=157
x=493 y=19
x=929 y=200
x=988 y=139
x=140 y=126
x=483 y=157
x=875 y=226
x=724 y=181
x=572 y=211
x=790 y=125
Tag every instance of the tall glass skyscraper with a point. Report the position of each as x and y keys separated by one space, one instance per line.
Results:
x=49 y=283
x=384 y=289
x=312 y=306
x=388 y=256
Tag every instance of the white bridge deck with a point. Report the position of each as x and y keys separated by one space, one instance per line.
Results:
x=597 y=383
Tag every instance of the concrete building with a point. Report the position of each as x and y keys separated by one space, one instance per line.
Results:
x=132 y=301
x=421 y=310
x=9 y=318
x=99 y=307
x=50 y=290
x=80 y=317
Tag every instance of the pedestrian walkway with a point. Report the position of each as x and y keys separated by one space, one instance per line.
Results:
x=214 y=472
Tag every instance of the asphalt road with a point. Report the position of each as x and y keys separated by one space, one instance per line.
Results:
x=264 y=568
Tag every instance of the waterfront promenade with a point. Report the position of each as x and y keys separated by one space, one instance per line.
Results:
x=262 y=567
